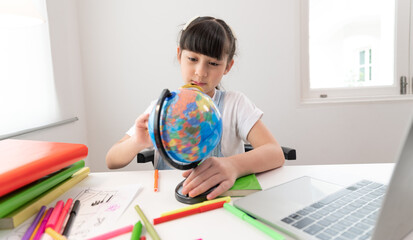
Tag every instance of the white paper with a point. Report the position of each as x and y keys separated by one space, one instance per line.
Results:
x=99 y=209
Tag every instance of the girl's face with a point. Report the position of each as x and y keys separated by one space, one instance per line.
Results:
x=203 y=71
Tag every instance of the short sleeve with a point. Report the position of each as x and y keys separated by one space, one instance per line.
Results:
x=247 y=115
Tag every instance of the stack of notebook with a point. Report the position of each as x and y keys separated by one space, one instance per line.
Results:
x=34 y=173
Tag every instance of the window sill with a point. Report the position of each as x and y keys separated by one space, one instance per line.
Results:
x=407 y=97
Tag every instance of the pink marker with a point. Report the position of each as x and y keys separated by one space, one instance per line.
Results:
x=114 y=233
x=51 y=223
x=62 y=217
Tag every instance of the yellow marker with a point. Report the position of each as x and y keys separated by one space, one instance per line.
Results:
x=227 y=199
x=55 y=235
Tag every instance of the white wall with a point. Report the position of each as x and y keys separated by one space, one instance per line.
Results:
x=128 y=55
x=64 y=41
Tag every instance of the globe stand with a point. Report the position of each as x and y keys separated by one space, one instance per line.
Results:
x=178 y=165
x=185 y=198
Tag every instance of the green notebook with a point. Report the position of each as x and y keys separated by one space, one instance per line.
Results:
x=243 y=186
x=18 y=198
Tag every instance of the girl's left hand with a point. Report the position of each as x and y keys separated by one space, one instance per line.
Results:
x=213 y=171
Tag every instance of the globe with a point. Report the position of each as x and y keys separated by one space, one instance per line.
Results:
x=190 y=125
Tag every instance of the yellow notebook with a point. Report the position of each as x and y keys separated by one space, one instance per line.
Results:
x=17 y=217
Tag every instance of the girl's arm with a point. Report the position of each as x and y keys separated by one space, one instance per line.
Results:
x=123 y=152
x=266 y=155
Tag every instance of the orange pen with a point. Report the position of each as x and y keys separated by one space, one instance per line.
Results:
x=156 y=176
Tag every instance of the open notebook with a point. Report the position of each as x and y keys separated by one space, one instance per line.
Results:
x=308 y=208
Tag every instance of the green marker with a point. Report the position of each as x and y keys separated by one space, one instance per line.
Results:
x=270 y=232
x=137 y=229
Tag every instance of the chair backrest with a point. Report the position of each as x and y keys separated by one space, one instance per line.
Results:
x=148 y=155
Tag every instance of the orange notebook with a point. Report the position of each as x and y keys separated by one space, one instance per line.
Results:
x=25 y=161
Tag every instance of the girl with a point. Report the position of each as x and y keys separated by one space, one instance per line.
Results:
x=205 y=52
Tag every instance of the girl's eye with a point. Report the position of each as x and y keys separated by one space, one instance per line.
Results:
x=192 y=59
x=214 y=63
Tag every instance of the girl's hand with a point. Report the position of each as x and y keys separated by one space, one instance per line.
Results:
x=211 y=172
x=141 y=131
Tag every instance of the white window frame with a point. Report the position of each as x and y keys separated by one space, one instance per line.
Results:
x=402 y=64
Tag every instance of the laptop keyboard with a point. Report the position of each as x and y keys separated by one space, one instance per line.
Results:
x=350 y=213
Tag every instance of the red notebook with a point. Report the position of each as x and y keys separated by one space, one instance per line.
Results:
x=25 y=161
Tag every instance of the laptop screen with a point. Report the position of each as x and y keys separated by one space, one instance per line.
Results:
x=396 y=218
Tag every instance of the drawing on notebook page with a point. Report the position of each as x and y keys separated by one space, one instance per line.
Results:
x=99 y=208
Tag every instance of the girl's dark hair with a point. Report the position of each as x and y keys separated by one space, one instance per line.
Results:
x=209 y=36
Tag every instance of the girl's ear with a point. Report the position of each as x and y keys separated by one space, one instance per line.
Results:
x=178 y=54
x=229 y=66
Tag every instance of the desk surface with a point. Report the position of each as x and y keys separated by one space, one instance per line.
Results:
x=217 y=224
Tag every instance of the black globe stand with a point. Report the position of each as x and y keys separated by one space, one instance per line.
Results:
x=182 y=166
x=185 y=198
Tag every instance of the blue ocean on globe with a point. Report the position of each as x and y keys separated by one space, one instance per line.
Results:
x=190 y=125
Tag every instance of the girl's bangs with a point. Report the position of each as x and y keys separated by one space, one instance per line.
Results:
x=207 y=39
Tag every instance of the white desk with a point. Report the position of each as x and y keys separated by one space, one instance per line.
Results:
x=217 y=224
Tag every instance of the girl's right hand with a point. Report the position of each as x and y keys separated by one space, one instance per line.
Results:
x=141 y=135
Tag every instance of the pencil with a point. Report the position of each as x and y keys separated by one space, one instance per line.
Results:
x=147 y=224
x=155 y=184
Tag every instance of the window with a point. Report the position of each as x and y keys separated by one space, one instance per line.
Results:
x=27 y=91
x=354 y=49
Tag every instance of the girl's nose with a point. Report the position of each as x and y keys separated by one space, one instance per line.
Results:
x=201 y=71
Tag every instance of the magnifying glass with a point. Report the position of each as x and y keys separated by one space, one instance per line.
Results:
x=186 y=126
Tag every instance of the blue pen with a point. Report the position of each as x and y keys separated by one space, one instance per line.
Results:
x=36 y=220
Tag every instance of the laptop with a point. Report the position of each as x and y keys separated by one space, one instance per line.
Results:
x=309 y=208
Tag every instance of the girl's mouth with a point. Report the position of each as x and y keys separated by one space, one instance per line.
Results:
x=198 y=83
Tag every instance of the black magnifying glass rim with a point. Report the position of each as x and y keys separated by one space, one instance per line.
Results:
x=157 y=134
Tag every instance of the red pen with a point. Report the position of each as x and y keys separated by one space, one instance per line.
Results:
x=200 y=209
x=62 y=217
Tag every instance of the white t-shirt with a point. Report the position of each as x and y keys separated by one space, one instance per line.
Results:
x=238 y=117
